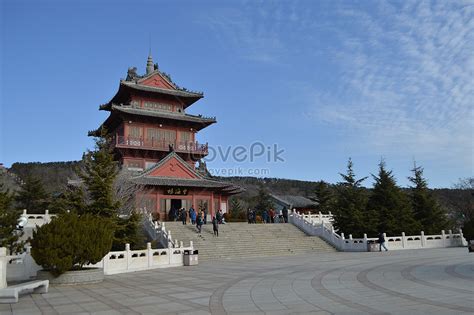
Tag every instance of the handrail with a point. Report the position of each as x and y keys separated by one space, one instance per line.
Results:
x=181 y=146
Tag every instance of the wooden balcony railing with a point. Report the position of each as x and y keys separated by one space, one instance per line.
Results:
x=161 y=145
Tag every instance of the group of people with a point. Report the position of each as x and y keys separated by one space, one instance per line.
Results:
x=197 y=218
x=270 y=216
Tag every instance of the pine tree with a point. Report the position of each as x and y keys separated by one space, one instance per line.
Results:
x=324 y=197
x=391 y=206
x=128 y=231
x=32 y=195
x=350 y=204
x=72 y=200
x=9 y=235
x=235 y=207
x=426 y=209
x=98 y=174
x=263 y=200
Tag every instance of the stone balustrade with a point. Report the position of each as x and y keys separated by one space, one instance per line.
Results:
x=325 y=230
x=36 y=219
x=319 y=218
x=23 y=267
x=157 y=231
x=136 y=260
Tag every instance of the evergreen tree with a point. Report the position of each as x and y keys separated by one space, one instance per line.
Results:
x=32 y=195
x=98 y=174
x=9 y=235
x=235 y=207
x=128 y=230
x=350 y=204
x=324 y=197
x=426 y=209
x=263 y=200
x=391 y=205
x=72 y=200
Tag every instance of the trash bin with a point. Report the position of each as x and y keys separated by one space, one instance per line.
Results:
x=372 y=246
x=190 y=257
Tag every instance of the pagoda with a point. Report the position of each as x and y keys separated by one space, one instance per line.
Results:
x=154 y=137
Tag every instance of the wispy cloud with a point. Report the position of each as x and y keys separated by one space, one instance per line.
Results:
x=406 y=69
x=409 y=72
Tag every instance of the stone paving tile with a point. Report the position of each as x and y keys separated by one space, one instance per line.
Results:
x=437 y=281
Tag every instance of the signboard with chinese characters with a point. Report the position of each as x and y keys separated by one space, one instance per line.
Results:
x=176 y=191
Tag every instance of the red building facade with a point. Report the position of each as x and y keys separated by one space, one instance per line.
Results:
x=154 y=137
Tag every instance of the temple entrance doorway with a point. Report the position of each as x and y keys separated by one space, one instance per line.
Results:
x=171 y=207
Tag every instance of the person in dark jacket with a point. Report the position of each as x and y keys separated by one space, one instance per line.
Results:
x=285 y=214
x=219 y=216
x=215 y=226
x=183 y=216
x=199 y=221
x=382 y=242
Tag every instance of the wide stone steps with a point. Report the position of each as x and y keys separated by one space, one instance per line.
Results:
x=242 y=240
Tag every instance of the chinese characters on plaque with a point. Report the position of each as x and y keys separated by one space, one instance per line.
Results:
x=176 y=191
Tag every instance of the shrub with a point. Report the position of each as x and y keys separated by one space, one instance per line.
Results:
x=70 y=241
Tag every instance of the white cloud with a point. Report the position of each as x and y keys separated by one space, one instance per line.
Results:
x=407 y=68
x=411 y=86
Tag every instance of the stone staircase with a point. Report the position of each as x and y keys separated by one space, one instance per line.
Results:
x=242 y=240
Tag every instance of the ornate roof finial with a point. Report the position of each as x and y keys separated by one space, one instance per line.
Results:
x=149 y=64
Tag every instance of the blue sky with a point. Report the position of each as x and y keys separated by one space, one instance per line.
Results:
x=322 y=80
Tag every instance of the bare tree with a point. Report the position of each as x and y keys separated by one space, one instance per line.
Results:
x=463 y=205
x=126 y=191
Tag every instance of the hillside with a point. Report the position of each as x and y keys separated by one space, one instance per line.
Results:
x=54 y=176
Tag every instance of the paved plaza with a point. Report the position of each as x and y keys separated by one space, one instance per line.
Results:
x=431 y=281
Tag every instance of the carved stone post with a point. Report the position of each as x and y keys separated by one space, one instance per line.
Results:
x=423 y=239
x=127 y=255
x=3 y=267
x=46 y=218
x=404 y=240
x=149 y=254
x=443 y=237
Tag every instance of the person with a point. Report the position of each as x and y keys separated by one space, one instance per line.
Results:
x=205 y=216
x=215 y=226
x=219 y=216
x=272 y=216
x=280 y=216
x=254 y=216
x=285 y=214
x=264 y=216
x=199 y=222
x=192 y=215
x=183 y=216
x=249 y=215
x=382 y=242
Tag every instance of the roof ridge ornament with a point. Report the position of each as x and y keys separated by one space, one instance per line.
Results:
x=150 y=67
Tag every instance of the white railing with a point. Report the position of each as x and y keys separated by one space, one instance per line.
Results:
x=36 y=219
x=326 y=231
x=157 y=231
x=146 y=259
x=319 y=218
x=23 y=267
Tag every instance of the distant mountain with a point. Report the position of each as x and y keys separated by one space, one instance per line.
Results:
x=55 y=175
